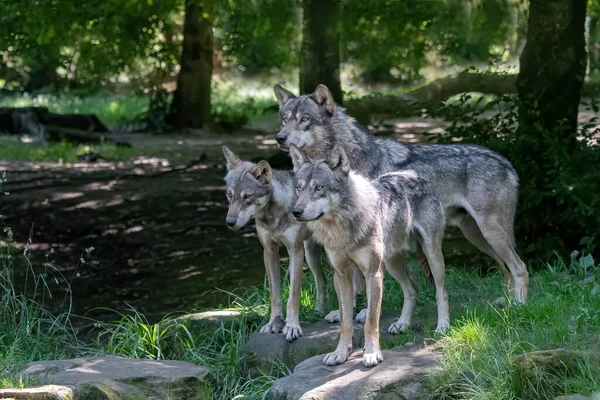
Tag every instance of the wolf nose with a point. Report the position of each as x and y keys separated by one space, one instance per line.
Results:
x=280 y=138
x=297 y=212
x=230 y=221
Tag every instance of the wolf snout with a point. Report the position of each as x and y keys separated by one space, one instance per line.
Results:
x=230 y=221
x=297 y=212
x=280 y=138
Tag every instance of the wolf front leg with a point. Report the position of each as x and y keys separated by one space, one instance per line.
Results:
x=292 y=329
x=368 y=260
x=271 y=258
x=342 y=279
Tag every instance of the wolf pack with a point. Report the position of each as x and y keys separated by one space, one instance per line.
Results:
x=365 y=200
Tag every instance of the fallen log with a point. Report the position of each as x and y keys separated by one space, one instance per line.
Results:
x=442 y=89
x=57 y=133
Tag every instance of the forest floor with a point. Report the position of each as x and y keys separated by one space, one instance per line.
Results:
x=154 y=218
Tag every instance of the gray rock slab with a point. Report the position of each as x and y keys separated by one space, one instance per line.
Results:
x=119 y=377
x=399 y=376
x=264 y=350
x=48 y=392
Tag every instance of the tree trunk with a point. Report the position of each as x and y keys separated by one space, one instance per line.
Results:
x=191 y=101
x=553 y=65
x=594 y=45
x=320 y=54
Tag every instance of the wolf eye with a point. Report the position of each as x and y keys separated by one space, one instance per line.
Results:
x=305 y=118
x=284 y=119
x=298 y=188
x=247 y=196
x=319 y=187
x=228 y=194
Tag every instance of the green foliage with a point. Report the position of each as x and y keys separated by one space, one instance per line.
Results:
x=258 y=35
x=483 y=354
x=88 y=41
x=559 y=192
x=392 y=40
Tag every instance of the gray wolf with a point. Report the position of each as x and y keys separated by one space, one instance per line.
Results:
x=362 y=222
x=256 y=190
x=478 y=188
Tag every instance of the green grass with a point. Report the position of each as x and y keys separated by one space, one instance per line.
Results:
x=480 y=354
x=65 y=152
x=112 y=109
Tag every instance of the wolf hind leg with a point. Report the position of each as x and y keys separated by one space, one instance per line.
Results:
x=431 y=243
x=473 y=234
x=397 y=267
x=498 y=232
x=358 y=286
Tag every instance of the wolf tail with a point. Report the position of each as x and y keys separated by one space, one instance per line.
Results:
x=425 y=268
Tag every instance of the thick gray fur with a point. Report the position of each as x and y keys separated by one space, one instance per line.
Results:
x=478 y=188
x=257 y=191
x=362 y=222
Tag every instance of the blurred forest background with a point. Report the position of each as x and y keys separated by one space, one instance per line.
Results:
x=163 y=82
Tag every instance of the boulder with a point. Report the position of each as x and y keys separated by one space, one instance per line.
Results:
x=112 y=377
x=399 y=376
x=264 y=351
x=209 y=321
x=49 y=392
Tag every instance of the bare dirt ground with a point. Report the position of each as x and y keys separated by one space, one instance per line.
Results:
x=160 y=243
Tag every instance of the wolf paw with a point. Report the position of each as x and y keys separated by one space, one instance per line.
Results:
x=333 y=316
x=372 y=359
x=292 y=331
x=361 y=317
x=274 y=326
x=398 y=327
x=335 y=358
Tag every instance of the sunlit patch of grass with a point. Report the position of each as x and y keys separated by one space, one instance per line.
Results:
x=111 y=109
x=65 y=152
x=481 y=353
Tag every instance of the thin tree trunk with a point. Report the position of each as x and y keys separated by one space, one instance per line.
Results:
x=553 y=65
x=191 y=101
x=594 y=45
x=320 y=54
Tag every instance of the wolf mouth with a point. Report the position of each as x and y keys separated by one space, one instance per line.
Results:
x=310 y=219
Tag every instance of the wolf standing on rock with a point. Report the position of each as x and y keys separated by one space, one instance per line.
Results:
x=362 y=223
x=255 y=190
x=478 y=188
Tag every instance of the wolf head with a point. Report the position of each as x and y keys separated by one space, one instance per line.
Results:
x=320 y=184
x=303 y=118
x=248 y=188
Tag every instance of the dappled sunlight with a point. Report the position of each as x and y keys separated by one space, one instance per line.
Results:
x=66 y=196
x=153 y=161
x=91 y=204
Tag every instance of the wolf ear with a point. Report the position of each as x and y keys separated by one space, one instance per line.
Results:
x=299 y=158
x=283 y=95
x=232 y=160
x=339 y=159
x=262 y=172
x=323 y=97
